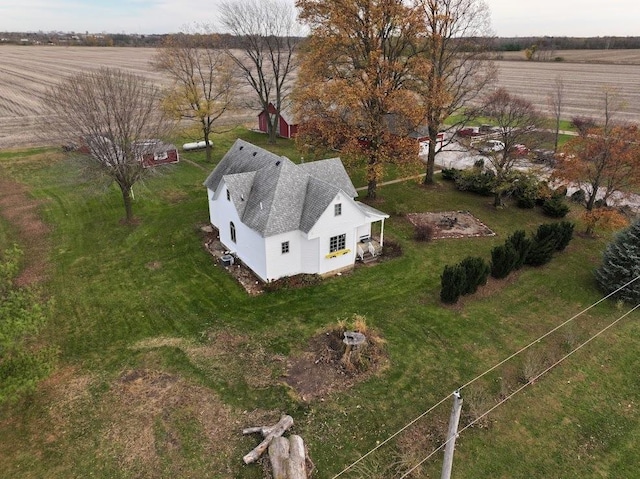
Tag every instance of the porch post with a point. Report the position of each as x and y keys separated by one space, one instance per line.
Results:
x=382 y=234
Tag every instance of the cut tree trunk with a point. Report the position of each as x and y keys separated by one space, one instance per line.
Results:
x=269 y=433
x=279 y=457
x=288 y=458
x=297 y=465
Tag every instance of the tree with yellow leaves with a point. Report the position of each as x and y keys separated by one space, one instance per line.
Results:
x=356 y=87
x=203 y=80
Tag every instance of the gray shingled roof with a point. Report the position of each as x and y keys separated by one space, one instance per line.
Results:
x=272 y=194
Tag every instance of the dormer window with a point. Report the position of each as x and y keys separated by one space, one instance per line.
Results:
x=228 y=195
x=337 y=209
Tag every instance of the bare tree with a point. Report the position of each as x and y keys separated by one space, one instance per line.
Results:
x=116 y=118
x=556 y=105
x=457 y=38
x=518 y=122
x=268 y=35
x=203 y=78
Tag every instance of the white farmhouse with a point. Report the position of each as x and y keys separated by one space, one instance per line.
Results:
x=283 y=219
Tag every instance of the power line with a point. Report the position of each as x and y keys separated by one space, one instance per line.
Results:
x=547 y=334
x=391 y=437
x=468 y=383
x=528 y=383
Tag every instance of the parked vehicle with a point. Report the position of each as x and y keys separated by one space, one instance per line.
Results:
x=469 y=131
x=491 y=146
x=519 y=150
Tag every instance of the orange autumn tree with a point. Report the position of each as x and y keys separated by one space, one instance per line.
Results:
x=602 y=161
x=356 y=84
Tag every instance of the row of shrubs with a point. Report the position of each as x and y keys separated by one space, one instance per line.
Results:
x=518 y=250
x=527 y=189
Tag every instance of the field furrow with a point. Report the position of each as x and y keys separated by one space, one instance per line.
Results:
x=27 y=72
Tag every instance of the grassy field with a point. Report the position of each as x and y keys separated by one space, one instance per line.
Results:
x=163 y=358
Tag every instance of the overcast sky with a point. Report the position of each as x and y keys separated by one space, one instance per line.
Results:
x=509 y=17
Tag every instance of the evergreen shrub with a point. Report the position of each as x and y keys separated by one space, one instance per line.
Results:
x=453 y=282
x=503 y=260
x=476 y=273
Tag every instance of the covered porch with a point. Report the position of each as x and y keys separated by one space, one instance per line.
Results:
x=371 y=235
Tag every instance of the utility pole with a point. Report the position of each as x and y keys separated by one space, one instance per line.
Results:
x=454 y=419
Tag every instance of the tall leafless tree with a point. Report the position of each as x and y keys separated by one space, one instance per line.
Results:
x=204 y=84
x=518 y=122
x=458 y=36
x=556 y=105
x=269 y=37
x=116 y=119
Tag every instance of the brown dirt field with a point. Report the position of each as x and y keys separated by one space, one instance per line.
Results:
x=20 y=210
x=584 y=86
x=623 y=56
x=27 y=72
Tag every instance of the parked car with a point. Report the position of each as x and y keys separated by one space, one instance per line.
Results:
x=519 y=150
x=468 y=131
x=491 y=146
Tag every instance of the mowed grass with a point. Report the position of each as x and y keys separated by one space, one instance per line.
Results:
x=164 y=358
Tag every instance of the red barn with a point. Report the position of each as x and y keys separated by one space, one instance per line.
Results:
x=152 y=152
x=287 y=127
x=160 y=153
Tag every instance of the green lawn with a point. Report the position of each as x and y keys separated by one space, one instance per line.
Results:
x=164 y=359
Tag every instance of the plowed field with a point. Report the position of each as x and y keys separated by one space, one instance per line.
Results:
x=26 y=72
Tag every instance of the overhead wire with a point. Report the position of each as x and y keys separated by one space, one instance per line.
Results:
x=528 y=383
x=468 y=383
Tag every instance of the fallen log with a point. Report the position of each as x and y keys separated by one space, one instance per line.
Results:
x=288 y=458
x=272 y=432
x=279 y=457
x=297 y=464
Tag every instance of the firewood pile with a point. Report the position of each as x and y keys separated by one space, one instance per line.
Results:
x=288 y=456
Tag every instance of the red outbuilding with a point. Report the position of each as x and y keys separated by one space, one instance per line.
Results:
x=287 y=127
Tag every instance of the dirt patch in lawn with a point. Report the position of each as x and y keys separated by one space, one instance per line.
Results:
x=451 y=224
x=321 y=369
x=20 y=210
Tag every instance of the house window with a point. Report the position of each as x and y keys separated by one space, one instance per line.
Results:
x=284 y=247
x=337 y=243
x=232 y=228
x=228 y=195
x=337 y=209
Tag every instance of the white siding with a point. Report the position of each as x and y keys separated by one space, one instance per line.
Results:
x=307 y=252
x=249 y=245
x=310 y=256
x=288 y=264
x=329 y=225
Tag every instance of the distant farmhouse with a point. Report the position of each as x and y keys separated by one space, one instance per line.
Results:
x=283 y=219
